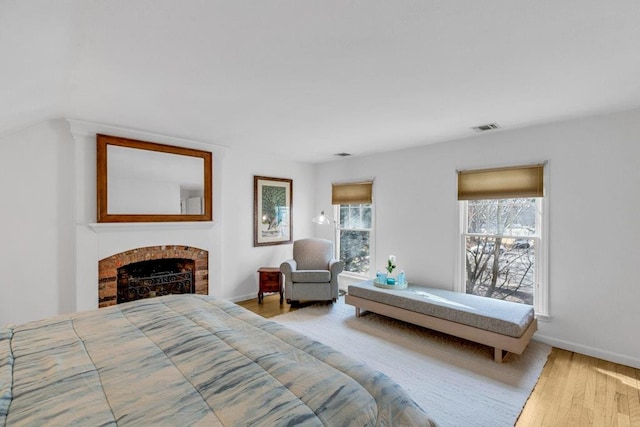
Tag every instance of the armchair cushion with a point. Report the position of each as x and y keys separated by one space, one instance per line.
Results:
x=313 y=254
x=311 y=276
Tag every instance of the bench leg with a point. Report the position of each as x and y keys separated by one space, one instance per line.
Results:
x=499 y=354
x=357 y=311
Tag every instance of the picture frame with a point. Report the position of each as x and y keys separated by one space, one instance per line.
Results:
x=272 y=211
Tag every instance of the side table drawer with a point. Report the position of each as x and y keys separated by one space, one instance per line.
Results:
x=270 y=280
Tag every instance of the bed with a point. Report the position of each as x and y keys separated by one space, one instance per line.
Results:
x=186 y=360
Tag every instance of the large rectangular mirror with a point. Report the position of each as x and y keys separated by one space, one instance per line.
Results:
x=142 y=181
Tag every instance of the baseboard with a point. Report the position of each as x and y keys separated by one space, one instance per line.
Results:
x=622 y=359
x=243 y=297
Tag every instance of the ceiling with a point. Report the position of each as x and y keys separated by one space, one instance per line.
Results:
x=308 y=79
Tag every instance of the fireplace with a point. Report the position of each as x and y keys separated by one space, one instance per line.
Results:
x=147 y=279
x=152 y=271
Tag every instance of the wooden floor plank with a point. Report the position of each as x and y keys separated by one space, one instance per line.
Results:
x=634 y=405
x=631 y=378
x=588 y=407
x=611 y=409
x=580 y=369
x=555 y=414
x=600 y=405
x=622 y=397
x=270 y=306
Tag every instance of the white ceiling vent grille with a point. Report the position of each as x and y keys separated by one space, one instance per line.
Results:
x=483 y=128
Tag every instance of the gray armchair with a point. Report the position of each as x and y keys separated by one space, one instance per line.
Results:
x=312 y=274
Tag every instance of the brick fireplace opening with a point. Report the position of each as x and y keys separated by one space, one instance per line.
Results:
x=152 y=271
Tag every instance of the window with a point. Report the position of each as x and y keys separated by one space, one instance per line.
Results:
x=355 y=237
x=502 y=239
x=354 y=209
x=500 y=244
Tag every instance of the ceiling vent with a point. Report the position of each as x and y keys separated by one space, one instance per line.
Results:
x=483 y=128
x=342 y=154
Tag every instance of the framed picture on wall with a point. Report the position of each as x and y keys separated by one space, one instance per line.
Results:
x=272 y=207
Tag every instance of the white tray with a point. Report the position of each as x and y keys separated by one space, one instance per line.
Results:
x=396 y=286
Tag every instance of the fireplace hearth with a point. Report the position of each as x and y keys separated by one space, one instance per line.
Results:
x=152 y=271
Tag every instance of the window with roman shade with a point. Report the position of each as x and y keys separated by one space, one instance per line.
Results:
x=503 y=237
x=352 y=193
x=502 y=183
x=354 y=210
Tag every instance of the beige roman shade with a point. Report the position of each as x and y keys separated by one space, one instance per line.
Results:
x=502 y=183
x=352 y=193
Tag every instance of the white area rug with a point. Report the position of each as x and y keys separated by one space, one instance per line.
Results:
x=455 y=381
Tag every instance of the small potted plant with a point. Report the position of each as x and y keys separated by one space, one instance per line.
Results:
x=391 y=265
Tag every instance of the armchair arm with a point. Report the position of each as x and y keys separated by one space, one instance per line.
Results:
x=286 y=268
x=335 y=266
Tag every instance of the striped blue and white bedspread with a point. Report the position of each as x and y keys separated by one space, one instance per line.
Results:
x=186 y=360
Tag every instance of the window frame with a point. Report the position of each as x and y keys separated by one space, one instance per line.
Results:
x=337 y=229
x=541 y=288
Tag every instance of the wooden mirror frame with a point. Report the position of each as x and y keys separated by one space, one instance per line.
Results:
x=103 y=141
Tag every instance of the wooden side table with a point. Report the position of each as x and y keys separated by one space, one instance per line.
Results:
x=270 y=281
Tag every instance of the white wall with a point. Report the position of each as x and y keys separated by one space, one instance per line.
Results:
x=594 y=199
x=240 y=257
x=36 y=222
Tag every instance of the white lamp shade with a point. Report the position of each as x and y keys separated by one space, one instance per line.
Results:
x=322 y=219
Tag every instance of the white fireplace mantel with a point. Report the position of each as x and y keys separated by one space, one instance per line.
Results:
x=95 y=241
x=101 y=227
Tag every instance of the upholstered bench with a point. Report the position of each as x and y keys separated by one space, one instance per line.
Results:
x=505 y=326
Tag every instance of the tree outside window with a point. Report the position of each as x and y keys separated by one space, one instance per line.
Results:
x=354 y=243
x=501 y=241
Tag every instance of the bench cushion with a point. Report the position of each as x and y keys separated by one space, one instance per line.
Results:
x=503 y=317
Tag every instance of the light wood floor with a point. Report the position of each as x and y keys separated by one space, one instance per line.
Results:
x=578 y=390
x=573 y=389
x=269 y=308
